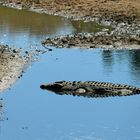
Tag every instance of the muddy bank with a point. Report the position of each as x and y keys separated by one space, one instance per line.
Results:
x=90 y=40
x=122 y=15
x=12 y=65
x=116 y=10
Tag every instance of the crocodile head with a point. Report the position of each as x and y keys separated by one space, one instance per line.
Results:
x=63 y=87
x=55 y=87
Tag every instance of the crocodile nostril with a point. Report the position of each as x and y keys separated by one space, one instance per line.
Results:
x=42 y=86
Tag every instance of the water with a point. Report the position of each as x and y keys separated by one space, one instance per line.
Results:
x=33 y=114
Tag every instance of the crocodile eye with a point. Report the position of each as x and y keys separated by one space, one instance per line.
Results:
x=80 y=90
x=57 y=86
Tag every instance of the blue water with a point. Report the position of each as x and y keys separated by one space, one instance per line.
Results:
x=30 y=113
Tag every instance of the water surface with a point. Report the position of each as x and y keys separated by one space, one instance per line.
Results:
x=33 y=114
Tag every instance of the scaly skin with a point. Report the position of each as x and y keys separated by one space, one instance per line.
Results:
x=91 y=89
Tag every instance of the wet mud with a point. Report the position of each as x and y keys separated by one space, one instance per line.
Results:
x=91 y=40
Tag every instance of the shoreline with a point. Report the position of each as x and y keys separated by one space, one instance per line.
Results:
x=110 y=10
x=101 y=40
x=123 y=29
x=75 y=14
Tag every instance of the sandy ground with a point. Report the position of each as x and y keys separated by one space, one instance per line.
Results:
x=12 y=65
x=14 y=62
x=117 y=10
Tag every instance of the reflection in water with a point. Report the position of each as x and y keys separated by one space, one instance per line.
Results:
x=134 y=65
x=24 y=28
x=1 y=115
x=29 y=22
x=135 y=60
x=108 y=60
x=1 y=112
x=130 y=58
x=87 y=26
x=29 y=27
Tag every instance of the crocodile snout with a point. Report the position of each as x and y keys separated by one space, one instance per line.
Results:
x=52 y=87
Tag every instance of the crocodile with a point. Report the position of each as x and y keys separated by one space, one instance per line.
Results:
x=90 y=88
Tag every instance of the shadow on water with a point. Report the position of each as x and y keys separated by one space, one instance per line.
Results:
x=89 y=27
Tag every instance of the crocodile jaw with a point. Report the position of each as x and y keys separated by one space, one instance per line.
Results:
x=52 y=87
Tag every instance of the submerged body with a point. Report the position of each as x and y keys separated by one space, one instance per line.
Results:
x=91 y=89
